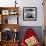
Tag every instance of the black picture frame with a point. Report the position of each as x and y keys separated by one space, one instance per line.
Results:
x=29 y=13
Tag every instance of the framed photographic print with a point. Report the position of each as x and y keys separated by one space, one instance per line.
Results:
x=5 y=12
x=13 y=12
x=30 y=13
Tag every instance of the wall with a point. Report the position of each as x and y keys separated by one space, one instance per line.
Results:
x=27 y=3
x=37 y=29
x=33 y=3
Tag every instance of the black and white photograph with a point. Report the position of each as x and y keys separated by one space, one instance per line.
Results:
x=29 y=13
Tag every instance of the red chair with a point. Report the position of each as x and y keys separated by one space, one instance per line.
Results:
x=29 y=33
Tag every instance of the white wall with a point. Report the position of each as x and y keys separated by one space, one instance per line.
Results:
x=32 y=3
x=27 y=3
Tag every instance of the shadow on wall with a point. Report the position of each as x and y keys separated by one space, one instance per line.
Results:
x=37 y=29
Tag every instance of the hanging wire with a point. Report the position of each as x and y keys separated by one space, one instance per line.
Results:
x=15 y=2
x=19 y=3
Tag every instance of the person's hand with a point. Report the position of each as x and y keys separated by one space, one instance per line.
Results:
x=31 y=41
x=28 y=42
